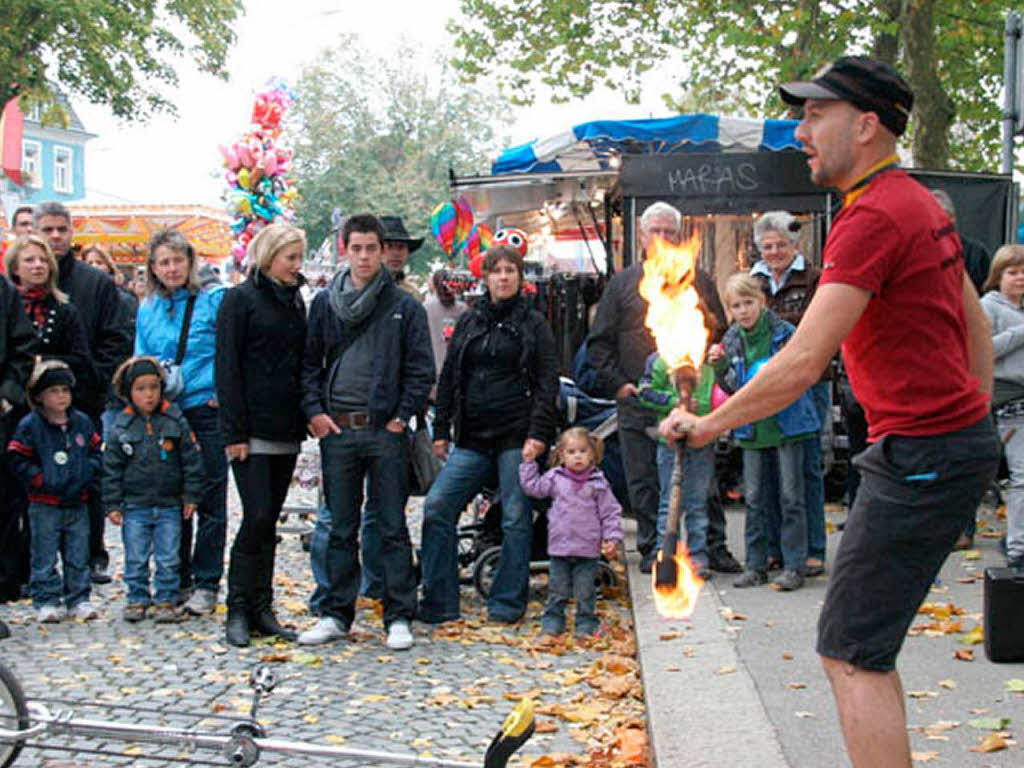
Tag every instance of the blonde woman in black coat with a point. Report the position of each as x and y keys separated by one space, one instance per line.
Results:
x=261 y=331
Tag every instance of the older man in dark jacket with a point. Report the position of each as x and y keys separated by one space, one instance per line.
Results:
x=366 y=371
x=618 y=346
x=109 y=334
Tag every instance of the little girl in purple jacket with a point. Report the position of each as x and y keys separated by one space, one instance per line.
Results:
x=584 y=522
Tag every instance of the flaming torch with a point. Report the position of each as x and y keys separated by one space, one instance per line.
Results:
x=677 y=323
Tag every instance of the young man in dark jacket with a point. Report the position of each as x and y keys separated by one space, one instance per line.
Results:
x=619 y=345
x=366 y=370
x=107 y=330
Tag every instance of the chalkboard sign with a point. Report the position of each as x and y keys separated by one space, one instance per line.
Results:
x=724 y=175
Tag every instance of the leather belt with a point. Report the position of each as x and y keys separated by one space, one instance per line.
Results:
x=351 y=419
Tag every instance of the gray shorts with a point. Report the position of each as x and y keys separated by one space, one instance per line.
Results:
x=917 y=494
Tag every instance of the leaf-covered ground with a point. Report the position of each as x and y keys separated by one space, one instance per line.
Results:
x=446 y=697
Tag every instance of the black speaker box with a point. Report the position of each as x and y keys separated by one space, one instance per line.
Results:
x=1004 y=614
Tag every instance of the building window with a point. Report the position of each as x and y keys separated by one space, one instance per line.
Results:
x=62 y=181
x=32 y=163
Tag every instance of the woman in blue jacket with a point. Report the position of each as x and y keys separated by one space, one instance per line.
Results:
x=172 y=286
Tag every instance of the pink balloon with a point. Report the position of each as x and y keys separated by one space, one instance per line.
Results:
x=230 y=157
x=270 y=164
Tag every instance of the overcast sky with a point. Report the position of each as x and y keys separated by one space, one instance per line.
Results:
x=177 y=161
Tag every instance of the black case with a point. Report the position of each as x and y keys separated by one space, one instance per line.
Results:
x=1004 y=614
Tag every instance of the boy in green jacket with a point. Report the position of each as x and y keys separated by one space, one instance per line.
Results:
x=658 y=392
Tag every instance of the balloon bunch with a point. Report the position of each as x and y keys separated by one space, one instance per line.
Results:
x=453 y=226
x=255 y=169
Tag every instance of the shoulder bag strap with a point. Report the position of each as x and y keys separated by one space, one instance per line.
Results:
x=183 y=338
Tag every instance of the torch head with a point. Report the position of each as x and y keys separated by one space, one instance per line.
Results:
x=666 y=572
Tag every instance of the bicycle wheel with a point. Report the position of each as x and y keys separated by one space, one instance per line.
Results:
x=13 y=715
x=467 y=550
x=483 y=571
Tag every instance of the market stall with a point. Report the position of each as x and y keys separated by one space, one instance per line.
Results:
x=566 y=192
x=124 y=230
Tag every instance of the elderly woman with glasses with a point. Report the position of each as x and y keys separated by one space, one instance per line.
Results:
x=789 y=280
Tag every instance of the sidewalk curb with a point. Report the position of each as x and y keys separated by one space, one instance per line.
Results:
x=696 y=717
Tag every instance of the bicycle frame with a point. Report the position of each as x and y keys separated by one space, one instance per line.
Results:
x=247 y=740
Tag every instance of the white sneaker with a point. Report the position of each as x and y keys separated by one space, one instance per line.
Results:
x=203 y=601
x=84 y=611
x=399 y=636
x=50 y=614
x=326 y=630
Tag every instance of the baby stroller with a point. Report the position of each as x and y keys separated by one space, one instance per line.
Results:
x=480 y=541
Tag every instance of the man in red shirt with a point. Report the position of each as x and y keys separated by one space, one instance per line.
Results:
x=894 y=293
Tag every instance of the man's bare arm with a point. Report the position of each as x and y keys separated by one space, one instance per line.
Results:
x=833 y=312
x=979 y=337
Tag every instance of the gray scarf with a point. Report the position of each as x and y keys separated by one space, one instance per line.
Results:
x=354 y=306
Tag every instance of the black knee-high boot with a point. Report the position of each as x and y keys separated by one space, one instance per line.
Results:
x=242 y=571
x=262 y=618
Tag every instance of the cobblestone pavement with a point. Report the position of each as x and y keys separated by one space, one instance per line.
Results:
x=446 y=697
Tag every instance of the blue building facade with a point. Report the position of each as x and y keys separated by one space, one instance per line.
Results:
x=52 y=162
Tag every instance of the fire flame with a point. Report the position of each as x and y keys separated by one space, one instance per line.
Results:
x=674 y=315
x=679 y=600
x=678 y=325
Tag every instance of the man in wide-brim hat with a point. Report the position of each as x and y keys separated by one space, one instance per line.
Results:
x=398 y=245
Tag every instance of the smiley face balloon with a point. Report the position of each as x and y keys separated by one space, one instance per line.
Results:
x=512 y=237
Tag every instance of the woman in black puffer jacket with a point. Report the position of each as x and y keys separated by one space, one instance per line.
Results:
x=261 y=331
x=496 y=397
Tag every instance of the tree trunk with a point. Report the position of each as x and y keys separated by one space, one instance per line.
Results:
x=887 y=46
x=799 y=62
x=933 y=109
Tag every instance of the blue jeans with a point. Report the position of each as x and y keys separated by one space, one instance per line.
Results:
x=204 y=565
x=348 y=461
x=64 y=531
x=698 y=473
x=151 y=532
x=371 y=583
x=318 y=558
x=1011 y=431
x=461 y=478
x=571 y=577
x=760 y=478
x=814 y=477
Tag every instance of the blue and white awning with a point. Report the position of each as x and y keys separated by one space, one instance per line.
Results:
x=591 y=146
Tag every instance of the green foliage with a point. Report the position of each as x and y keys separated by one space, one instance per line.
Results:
x=734 y=53
x=379 y=135
x=113 y=53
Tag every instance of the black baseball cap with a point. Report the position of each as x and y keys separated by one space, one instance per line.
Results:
x=868 y=84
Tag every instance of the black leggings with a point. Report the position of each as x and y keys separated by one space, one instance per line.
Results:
x=262 y=482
